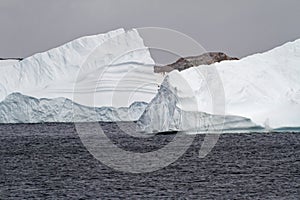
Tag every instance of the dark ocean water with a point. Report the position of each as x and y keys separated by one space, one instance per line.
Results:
x=48 y=161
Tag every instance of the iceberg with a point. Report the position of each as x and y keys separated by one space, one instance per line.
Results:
x=260 y=91
x=108 y=77
x=116 y=65
x=18 y=108
x=164 y=114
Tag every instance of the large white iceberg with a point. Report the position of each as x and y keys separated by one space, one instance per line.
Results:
x=111 y=69
x=264 y=88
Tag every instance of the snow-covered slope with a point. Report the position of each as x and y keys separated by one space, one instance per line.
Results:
x=116 y=65
x=18 y=108
x=264 y=88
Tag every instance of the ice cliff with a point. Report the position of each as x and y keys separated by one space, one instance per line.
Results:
x=116 y=65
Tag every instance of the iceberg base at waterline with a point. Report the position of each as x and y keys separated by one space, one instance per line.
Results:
x=18 y=108
x=163 y=115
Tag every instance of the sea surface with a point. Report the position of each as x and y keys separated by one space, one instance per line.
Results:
x=49 y=161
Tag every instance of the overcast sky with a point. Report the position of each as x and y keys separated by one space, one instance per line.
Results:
x=236 y=27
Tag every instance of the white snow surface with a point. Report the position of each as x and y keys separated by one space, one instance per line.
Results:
x=8 y=62
x=263 y=87
x=111 y=69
